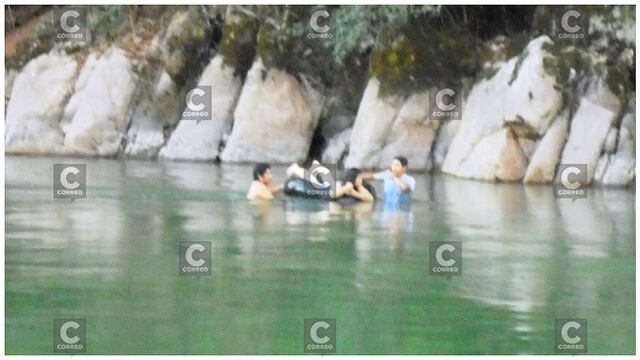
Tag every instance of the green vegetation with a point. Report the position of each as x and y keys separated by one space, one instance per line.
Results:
x=408 y=48
x=238 y=45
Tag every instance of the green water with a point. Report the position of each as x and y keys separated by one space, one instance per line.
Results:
x=112 y=259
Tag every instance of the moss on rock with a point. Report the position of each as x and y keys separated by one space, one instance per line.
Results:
x=423 y=54
x=238 y=45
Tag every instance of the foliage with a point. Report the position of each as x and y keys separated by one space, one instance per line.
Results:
x=238 y=44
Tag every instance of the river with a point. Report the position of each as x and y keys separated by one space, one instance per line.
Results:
x=112 y=258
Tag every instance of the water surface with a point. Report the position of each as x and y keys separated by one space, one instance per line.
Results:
x=112 y=259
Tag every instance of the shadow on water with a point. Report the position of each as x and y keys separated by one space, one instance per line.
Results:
x=112 y=258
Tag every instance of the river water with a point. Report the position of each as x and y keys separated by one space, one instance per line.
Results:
x=112 y=258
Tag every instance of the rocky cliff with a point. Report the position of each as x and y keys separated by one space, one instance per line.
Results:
x=257 y=83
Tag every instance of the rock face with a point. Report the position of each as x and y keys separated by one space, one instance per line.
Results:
x=95 y=117
x=589 y=129
x=446 y=134
x=542 y=165
x=154 y=111
x=498 y=156
x=275 y=118
x=373 y=123
x=521 y=95
x=192 y=140
x=176 y=53
x=617 y=166
x=411 y=135
x=337 y=147
x=387 y=127
x=37 y=101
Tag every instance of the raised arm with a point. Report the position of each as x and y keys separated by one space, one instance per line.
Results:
x=402 y=185
x=366 y=176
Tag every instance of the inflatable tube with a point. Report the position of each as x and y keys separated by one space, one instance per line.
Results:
x=300 y=188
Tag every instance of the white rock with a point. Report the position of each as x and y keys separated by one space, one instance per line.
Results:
x=37 y=102
x=411 y=135
x=498 y=157
x=619 y=169
x=274 y=119
x=531 y=99
x=192 y=140
x=610 y=141
x=373 y=122
x=533 y=95
x=589 y=128
x=598 y=93
x=414 y=110
x=543 y=162
x=96 y=113
x=9 y=79
x=337 y=147
x=156 y=110
x=445 y=136
x=629 y=123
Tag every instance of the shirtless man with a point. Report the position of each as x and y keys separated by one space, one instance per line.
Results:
x=261 y=188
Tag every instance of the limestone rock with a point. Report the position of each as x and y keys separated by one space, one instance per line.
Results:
x=445 y=136
x=589 y=128
x=274 y=119
x=95 y=118
x=145 y=136
x=521 y=94
x=543 y=162
x=193 y=140
x=337 y=147
x=373 y=123
x=37 y=102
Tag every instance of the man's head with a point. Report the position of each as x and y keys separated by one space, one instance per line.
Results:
x=399 y=165
x=262 y=173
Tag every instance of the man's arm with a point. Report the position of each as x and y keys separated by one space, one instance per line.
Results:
x=276 y=189
x=401 y=184
x=366 y=176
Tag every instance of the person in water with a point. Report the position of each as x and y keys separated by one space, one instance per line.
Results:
x=356 y=187
x=350 y=188
x=397 y=184
x=261 y=188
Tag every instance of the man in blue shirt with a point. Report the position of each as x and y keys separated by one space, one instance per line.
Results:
x=397 y=184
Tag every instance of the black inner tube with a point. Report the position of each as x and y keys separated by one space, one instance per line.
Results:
x=304 y=189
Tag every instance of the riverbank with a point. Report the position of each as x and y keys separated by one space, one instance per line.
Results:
x=526 y=98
